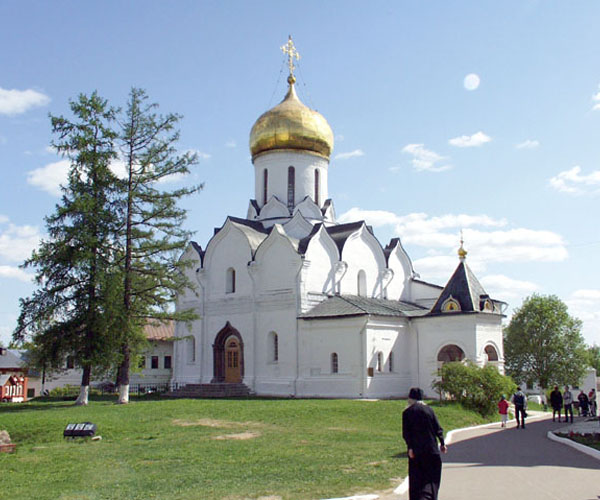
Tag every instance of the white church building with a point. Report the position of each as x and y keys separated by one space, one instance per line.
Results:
x=293 y=304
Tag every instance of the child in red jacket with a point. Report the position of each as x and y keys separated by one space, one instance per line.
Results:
x=503 y=410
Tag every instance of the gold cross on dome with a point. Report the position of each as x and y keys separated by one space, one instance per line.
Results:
x=290 y=50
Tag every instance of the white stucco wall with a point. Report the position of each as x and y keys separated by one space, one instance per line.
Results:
x=387 y=336
x=318 y=339
x=470 y=332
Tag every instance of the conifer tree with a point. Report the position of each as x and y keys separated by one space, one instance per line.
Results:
x=73 y=310
x=152 y=237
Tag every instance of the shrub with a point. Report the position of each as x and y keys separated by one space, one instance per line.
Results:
x=476 y=388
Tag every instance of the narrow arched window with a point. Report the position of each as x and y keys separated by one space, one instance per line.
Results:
x=334 y=363
x=361 y=285
x=230 y=280
x=491 y=353
x=379 y=361
x=317 y=187
x=191 y=349
x=391 y=362
x=274 y=347
x=265 y=185
x=291 y=188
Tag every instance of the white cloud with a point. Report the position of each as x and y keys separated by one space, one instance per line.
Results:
x=571 y=181
x=528 y=144
x=200 y=154
x=486 y=239
x=424 y=159
x=14 y=102
x=507 y=289
x=352 y=154
x=596 y=99
x=11 y=272
x=471 y=81
x=439 y=268
x=17 y=242
x=50 y=177
x=339 y=138
x=585 y=305
x=470 y=141
x=230 y=144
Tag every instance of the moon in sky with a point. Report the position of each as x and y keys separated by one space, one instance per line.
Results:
x=471 y=81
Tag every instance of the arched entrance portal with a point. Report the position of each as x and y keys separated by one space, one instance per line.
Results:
x=228 y=356
x=233 y=373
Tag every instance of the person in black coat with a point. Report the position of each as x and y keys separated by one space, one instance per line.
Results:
x=556 y=401
x=422 y=431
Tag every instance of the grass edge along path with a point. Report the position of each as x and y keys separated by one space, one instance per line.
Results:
x=210 y=449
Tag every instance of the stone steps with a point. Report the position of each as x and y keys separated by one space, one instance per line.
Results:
x=218 y=390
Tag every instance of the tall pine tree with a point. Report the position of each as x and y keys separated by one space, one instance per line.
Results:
x=152 y=237
x=74 y=308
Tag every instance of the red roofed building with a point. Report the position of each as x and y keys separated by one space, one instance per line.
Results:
x=13 y=382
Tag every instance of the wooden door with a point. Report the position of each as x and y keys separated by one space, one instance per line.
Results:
x=233 y=373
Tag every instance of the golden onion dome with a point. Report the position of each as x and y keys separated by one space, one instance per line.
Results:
x=291 y=125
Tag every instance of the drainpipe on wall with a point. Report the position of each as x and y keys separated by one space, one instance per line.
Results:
x=363 y=356
x=303 y=263
x=203 y=362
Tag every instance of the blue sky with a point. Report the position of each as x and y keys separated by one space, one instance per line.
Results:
x=510 y=156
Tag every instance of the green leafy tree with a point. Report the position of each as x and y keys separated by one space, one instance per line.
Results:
x=73 y=309
x=593 y=355
x=543 y=343
x=152 y=238
x=476 y=388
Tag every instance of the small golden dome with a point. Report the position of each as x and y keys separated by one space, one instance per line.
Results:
x=291 y=125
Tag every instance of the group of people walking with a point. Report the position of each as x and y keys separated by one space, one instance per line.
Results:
x=587 y=405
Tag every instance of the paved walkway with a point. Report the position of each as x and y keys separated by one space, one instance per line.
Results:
x=495 y=463
x=492 y=463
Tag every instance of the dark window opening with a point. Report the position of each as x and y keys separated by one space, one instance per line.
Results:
x=291 y=188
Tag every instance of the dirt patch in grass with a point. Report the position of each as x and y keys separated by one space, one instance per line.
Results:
x=239 y=436
x=272 y=497
x=221 y=424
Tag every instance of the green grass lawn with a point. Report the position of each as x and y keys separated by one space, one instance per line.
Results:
x=209 y=449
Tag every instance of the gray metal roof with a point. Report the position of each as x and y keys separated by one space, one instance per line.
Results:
x=353 y=305
x=10 y=360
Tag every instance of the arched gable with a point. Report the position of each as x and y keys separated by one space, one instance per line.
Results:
x=274 y=209
x=399 y=262
x=277 y=261
x=321 y=254
x=193 y=255
x=309 y=209
x=232 y=247
x=328 y=211
x=362 y=251
x=298 y=227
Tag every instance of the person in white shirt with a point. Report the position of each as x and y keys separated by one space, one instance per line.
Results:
x=568 y=403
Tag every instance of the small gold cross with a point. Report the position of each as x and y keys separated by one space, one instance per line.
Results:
x=292 y=54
